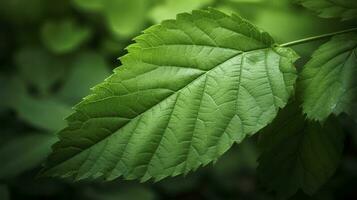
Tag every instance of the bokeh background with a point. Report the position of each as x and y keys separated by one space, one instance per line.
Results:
x=53 y=51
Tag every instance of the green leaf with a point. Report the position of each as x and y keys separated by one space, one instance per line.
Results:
x=344 y=9
x=170 y=8
x=91 y=68
x=298 y=154
x=24 y=153
x=188 y=89
x=327 y=83
x=64 y=36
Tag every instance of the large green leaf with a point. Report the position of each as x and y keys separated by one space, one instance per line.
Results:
x=188 y=89
x=298 y=154
x=328 y=81
x=344 y=9
x=24 y=153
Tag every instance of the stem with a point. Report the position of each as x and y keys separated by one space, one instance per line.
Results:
x=319 y=37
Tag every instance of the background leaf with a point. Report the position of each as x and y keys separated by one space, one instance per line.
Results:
x=64 y=36
x=39 y=68
x=46 y=114
x=43 y=113
x=298 y=154
x=24 y=153
x=88 y=69
x=344 y=9
x=328 y=82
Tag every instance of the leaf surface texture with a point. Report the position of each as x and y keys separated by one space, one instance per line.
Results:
x=344 y=9
x=187 y=90
x=327 y=83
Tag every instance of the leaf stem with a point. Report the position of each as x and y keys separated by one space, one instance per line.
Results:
x=318 y=37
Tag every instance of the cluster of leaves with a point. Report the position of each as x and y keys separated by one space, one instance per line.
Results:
x=187 y=90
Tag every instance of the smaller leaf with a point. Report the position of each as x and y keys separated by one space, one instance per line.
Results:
x=64 y=36
x=328 y=81
x=298 y=154
x=344 y=9
x=24 y=153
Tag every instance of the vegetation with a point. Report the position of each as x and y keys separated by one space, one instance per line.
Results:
x=273 y=85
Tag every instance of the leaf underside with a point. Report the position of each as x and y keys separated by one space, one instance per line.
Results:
x=327 y=82
x=344 y=9
x=187 y=90
x=298 y=154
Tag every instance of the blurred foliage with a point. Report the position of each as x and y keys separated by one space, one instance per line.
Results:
x=53 y=51
x=64 y=36
x=27 y=155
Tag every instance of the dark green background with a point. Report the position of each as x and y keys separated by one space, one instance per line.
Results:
x=53 y=51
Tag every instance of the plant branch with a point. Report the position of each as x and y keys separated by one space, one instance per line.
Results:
x=318 y=37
